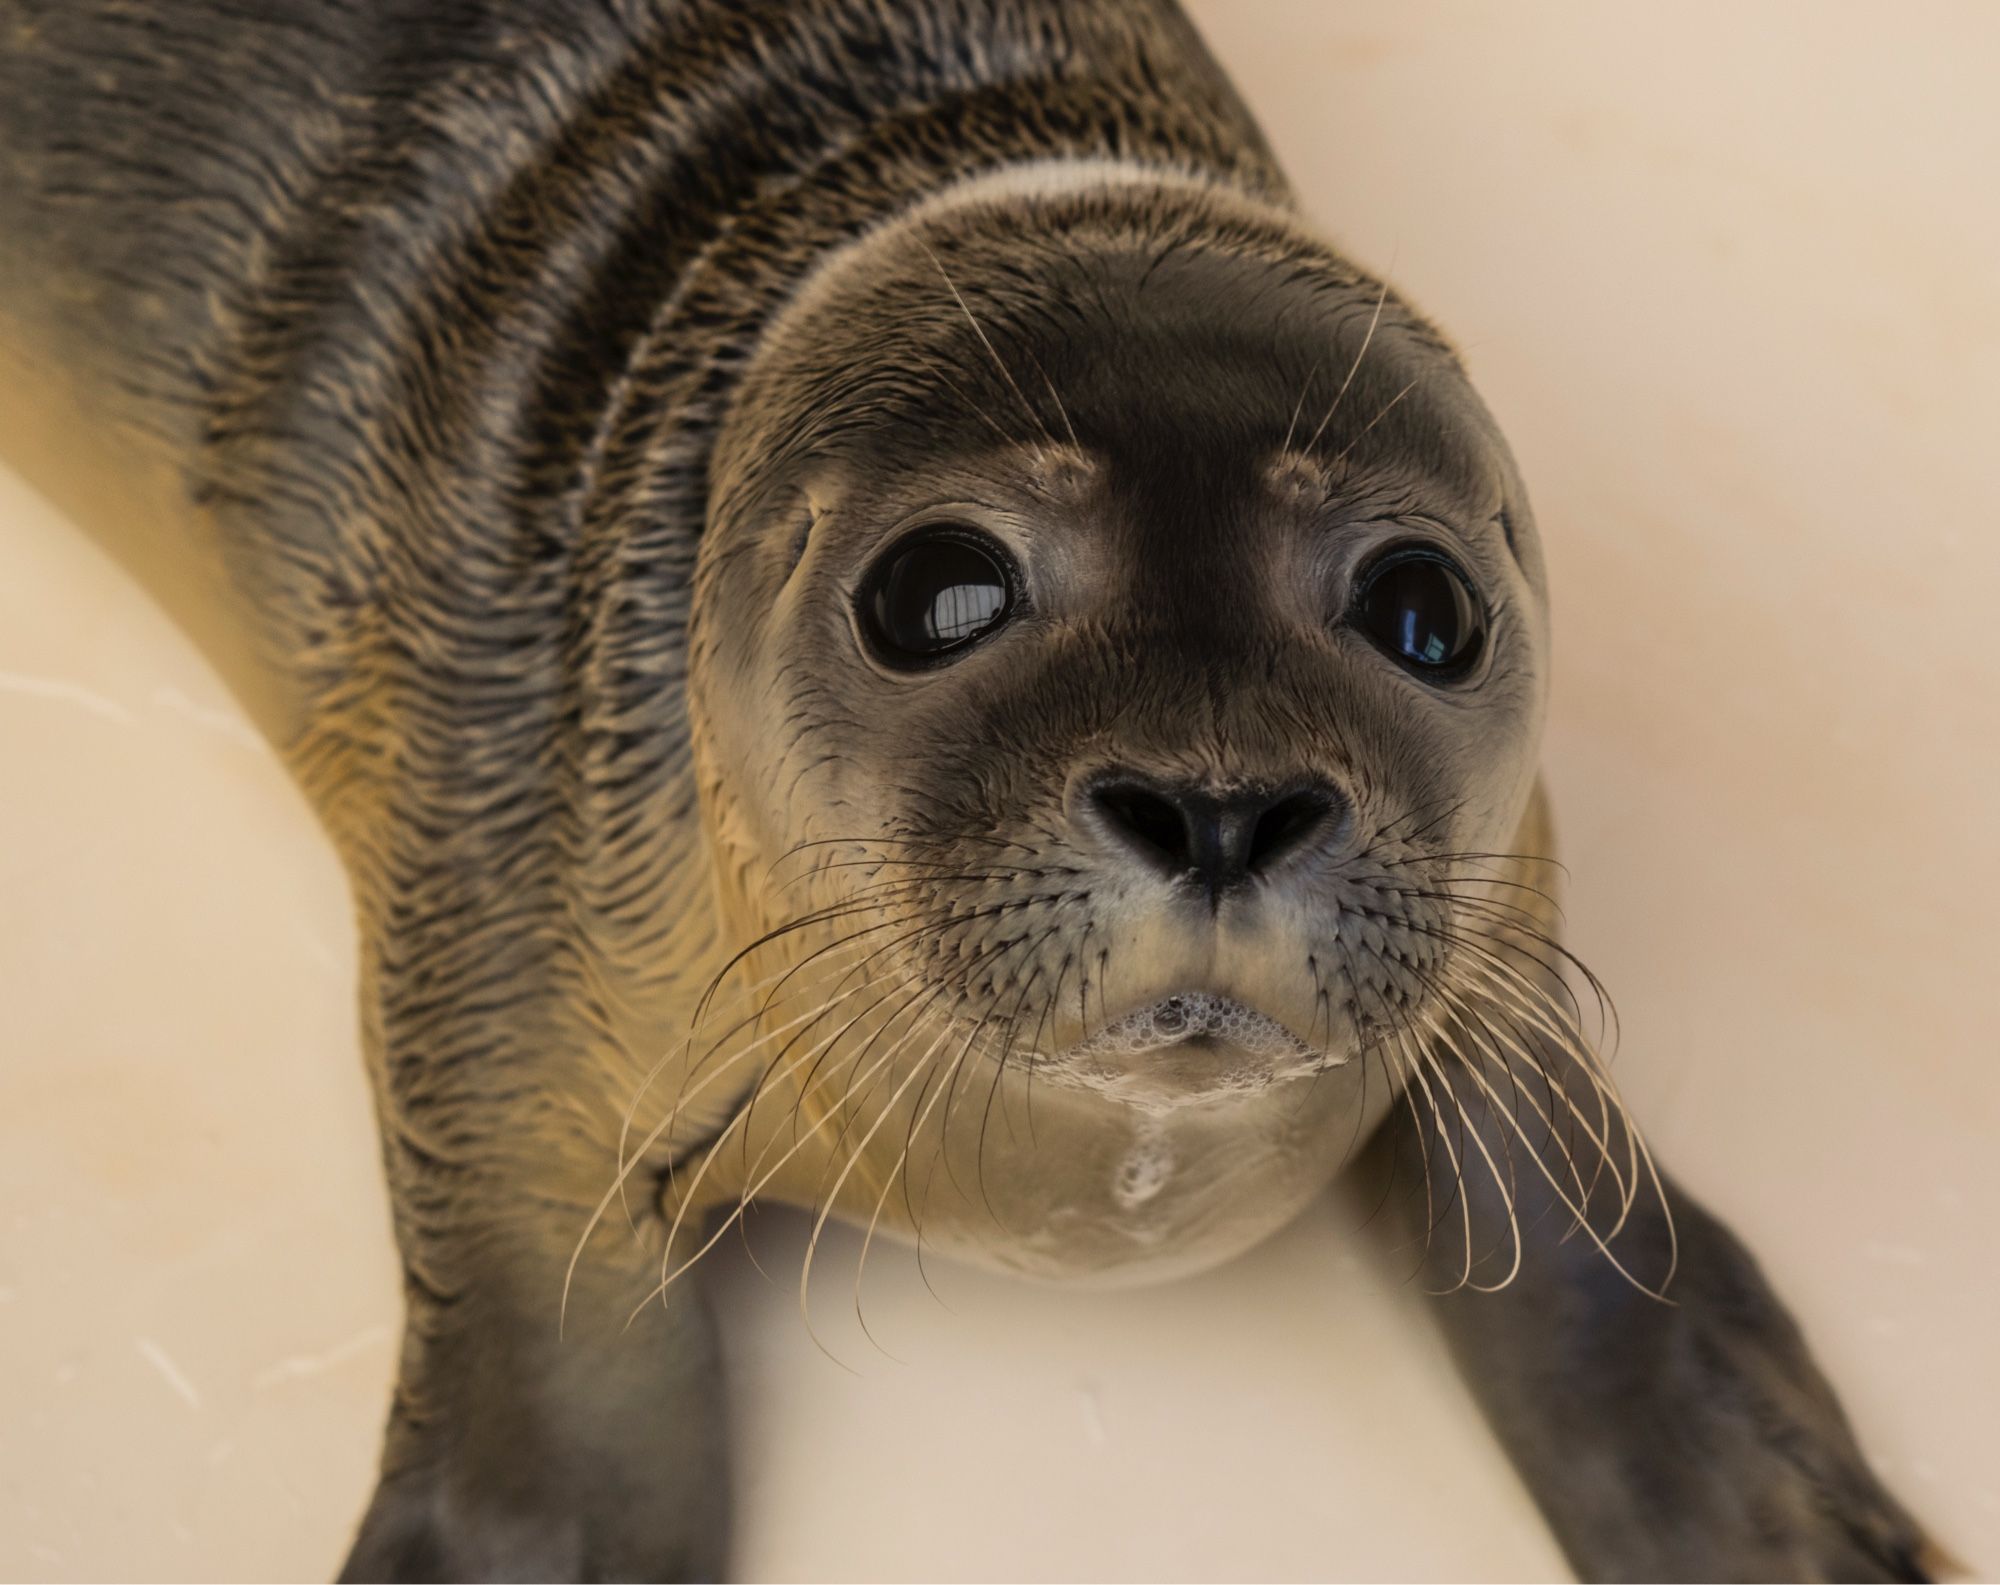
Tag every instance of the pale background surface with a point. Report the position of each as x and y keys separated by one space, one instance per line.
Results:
x=1730 y=277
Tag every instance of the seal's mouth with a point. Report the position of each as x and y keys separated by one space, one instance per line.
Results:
x=1192 y=1018
x=1188 y=1048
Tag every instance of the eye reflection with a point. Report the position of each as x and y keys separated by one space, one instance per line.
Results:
x=961 y=610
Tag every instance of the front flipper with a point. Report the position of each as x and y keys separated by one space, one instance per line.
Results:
x=513 y=1453
x=1684 y=1438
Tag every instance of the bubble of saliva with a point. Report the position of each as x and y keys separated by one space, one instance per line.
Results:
x=1193 y=1015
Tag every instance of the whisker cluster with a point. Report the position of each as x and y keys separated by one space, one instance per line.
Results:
x=1504 y=1018
x=1476 y=1021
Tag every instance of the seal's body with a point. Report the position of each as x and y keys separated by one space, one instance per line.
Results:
x=877 y=623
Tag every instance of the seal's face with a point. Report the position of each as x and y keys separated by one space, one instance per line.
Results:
x=1104 y=663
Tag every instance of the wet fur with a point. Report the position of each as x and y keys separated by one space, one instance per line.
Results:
x=457 y=332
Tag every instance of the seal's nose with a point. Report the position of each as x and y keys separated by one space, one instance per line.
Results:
x=1220 y=839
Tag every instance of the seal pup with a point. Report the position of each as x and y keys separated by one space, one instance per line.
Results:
x=879 y=623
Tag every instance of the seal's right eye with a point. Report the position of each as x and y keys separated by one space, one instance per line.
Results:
x=935 y=593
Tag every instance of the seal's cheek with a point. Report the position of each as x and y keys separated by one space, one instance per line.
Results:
x=791 y=751
x=738 y=755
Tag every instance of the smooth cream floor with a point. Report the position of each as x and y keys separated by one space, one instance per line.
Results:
x=1730 y=276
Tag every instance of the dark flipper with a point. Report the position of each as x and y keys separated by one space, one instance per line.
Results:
x=1693 y=1439
x=512 y=1454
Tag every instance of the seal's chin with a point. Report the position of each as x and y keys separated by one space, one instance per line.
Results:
x=1190 y=1048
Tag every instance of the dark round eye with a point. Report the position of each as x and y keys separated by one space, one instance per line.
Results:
x=934 y=593
x=1419 y=608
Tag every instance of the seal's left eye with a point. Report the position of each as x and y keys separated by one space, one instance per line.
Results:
x=935 y=593
x=1418 y=607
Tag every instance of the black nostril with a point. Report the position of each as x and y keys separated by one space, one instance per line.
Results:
x=1145 y=819
x=1287 y=824
x=1220 y=838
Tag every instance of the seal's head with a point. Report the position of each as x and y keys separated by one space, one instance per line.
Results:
x=1119 y=622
